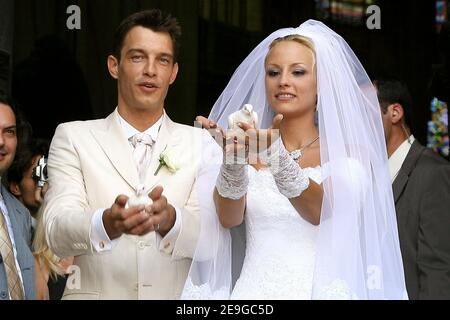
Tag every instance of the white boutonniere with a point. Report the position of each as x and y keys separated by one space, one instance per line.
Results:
x=167 y=159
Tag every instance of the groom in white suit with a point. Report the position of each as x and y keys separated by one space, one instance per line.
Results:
x=123 y=252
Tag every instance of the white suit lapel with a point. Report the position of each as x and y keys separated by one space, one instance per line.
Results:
x=117 y=149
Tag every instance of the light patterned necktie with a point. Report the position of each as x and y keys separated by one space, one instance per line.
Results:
x=6 y=250
x=142 y=153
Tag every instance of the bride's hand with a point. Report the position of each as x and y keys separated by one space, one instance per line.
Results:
x=214 y=130
x=206 y=123
x=235 y=147
x=232 y=142
x=260 y=140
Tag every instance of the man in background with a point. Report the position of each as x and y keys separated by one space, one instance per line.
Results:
x=421 y=186
x=16 y=260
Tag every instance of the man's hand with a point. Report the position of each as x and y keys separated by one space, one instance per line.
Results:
x=118 y=220
x=162 y=214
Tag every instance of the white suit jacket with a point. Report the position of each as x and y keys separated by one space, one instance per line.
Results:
x=90 y=164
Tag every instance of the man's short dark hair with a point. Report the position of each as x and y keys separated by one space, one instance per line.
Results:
x=154 y=20
x=391 y=90
x=24 y=159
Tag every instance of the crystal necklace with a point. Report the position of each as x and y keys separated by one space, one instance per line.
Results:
x=297 y=153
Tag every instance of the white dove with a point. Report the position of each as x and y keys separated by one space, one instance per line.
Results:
x=246 y=114
x=139 y=198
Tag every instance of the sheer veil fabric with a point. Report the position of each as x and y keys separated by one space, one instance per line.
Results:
x=357 y=252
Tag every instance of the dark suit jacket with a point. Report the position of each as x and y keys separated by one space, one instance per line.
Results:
x=422 y=201
x=21 y=224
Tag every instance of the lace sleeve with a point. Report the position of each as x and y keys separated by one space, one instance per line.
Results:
x=232 y=181
x=290 y=178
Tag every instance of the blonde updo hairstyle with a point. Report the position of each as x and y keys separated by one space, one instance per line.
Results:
x=307 y=42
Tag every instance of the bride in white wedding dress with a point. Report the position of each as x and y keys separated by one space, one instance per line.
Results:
x=280 y=253
x=317 y=204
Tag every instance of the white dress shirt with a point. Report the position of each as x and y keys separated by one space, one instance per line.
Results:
x=11 y=235
x=99 y=238
x=398 y=157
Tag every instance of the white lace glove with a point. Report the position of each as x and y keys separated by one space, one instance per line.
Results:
x=290 y=178
x=232 y=181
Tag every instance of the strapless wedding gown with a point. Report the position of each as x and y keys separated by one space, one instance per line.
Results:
x=280 y=250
